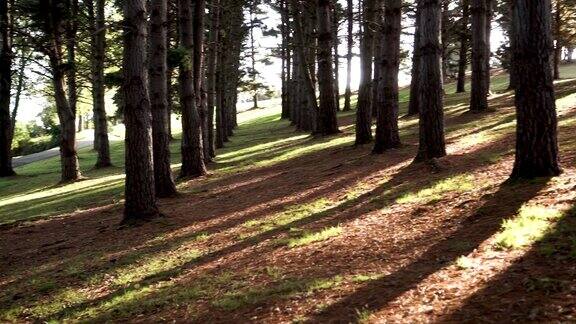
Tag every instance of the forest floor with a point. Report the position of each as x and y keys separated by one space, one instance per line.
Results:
x=293 y=228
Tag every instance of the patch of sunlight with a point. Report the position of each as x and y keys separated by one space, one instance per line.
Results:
x=566 y=102
x=64 y=189
x=363 y=315
x=309 y=238
x=464 y=262
x=529 y=226
x=250 y=151
x=459 y=183
x=297 y=151
x=366 y=277
x=288 y=288
x=291 y=214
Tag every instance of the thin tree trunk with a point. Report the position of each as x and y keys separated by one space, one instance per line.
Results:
x=432 y=142
x=192 y=144
x=140 y=203
x=19 y=88
x=327 y=121
x=414 y=104
x=350 y=43
x=5 y=86
x=71 y=31
x=164 y=182
x=335 y=24
x=558 y=45
x=199 y=29
x=479 y=92
x=364 y=108
x=537 y=142
x=463 y=55
x=101 y=143
x=211 y=73
x=387 y=134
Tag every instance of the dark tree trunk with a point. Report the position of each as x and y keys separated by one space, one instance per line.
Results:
x=98 y=28
x=432 y=142
x=140 y=204
x=464 y=46
x=379 y=31
x=211 y=74
x=164 y=183
x=364 y=109
x=19 y=88
x=199 y=29
x=327 y=121
x=192 y=143
x=336 y=43
x=536 y=143
x=414 y=104
x=512 y=41
x=5 y=86
x=71 y=31
x=387 y=135
x=66 y=116
x=479 y=92
x=350 y=43
x=221 y=132
x=558 y=45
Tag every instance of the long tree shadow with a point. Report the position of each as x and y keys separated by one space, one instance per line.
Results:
x=475 y=229
x=545 y=277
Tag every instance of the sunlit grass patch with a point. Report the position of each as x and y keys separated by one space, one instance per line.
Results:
x=309 y=238
x=459 y=183
x=464 y=263
x=530 y=225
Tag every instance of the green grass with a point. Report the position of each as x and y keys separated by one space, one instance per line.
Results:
x=309 y=238
x=530 y=225
x=458 y=184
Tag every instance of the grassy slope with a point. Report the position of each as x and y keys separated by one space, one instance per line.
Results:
x=150 y=277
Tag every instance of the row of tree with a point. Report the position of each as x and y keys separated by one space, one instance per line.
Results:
x=163 y=37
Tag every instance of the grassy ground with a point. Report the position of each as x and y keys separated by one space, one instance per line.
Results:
x=288 y=227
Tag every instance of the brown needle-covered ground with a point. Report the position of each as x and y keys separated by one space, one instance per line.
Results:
x=331 y=234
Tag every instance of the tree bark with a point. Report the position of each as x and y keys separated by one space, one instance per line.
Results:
x=432 y=142
x=211 y=74
x=364 y=108
x=199 y=89
x=192 y=143
x=350 y=44
x=536 y=131
x=414 y=104
x=387 y=134
x=140 y=204
x=327 y=121
x=464 y=46
x=71 y=31
x=98 y=29
x=336 y=43
x=164 y=182
x=6 y=169
x=558 y=45
x=479 y=92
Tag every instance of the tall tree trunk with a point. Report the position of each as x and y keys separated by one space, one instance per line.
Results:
x=512 y=41
x=101 y=143
x=364 y=109
x=350 y=44
x=192 y=144
x=211 y=73
x=199 y=30
x=5 y=86
x=387 y=135
x=379 y=30
x=66 y=116
x=558 y=45
x=432 y=142
x=327 y=121
x=479 y=92
x=414 y=104
x=19 y=88
x=536 y=143
x=164 y=183
x=463 y=55
x=71 y=31
x=140 y=204
x=336 y=43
